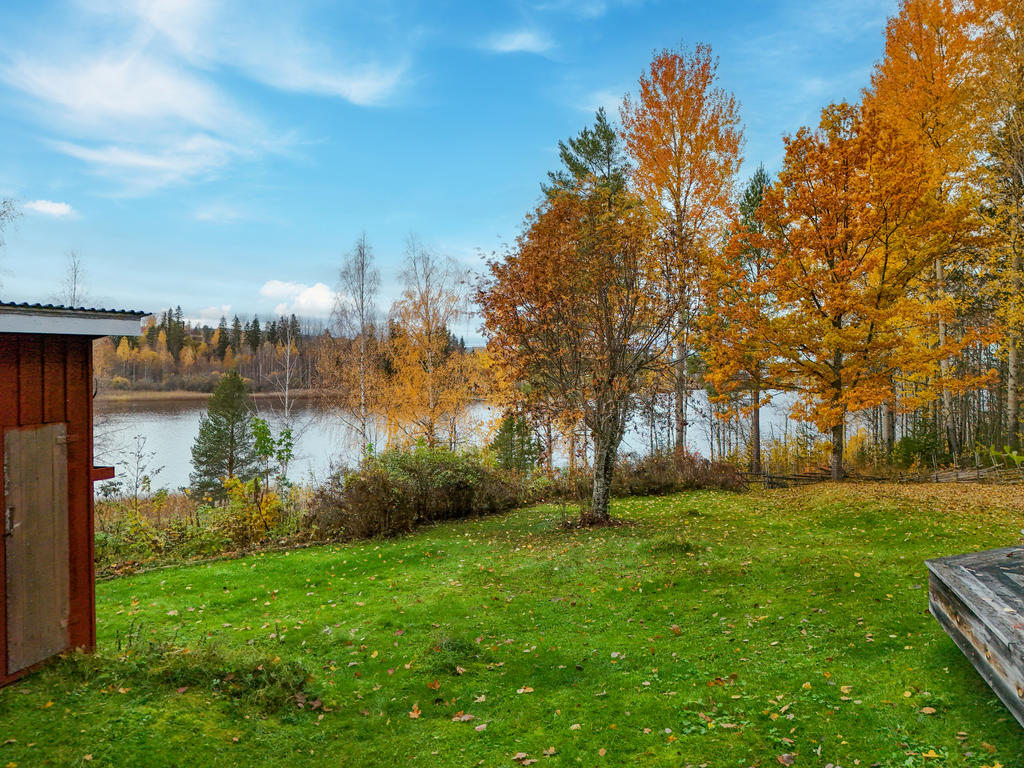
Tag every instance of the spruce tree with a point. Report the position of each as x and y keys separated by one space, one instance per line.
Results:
x=236 y=336
x=515 y=445
x=253 y=335
x=223 y=342
x=225 y=446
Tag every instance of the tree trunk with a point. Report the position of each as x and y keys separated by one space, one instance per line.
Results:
x=1013 y=424
x=606 y=432
x=948 y=418
x=888 y=429
x=838 y=441
x=681 y=393
x=755 y=432
x=1012 y=391
x=605 y=450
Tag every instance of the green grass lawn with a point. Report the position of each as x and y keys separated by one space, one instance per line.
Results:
x=712 y=628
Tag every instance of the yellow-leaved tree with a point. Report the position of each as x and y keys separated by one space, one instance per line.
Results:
x=847 y=229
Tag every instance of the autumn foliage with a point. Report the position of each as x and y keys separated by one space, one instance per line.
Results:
x=579 y=311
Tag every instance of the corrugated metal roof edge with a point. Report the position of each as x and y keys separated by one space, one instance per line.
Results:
x=24 y=305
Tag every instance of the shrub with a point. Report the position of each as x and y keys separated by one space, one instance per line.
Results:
x=395 y=491
x=668 y=472
x=656 y=474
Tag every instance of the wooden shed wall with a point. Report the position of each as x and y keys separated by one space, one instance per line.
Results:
x=47 y=379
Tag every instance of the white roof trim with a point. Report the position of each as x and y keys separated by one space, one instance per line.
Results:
x=69 y=324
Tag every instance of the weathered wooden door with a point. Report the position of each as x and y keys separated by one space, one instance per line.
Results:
x=36 y=543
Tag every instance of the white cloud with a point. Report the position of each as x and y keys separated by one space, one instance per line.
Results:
x=315 y=300
x=135 y=88
x=211 y=315
x=522 y=41
x=276 y=289
x=51 y=208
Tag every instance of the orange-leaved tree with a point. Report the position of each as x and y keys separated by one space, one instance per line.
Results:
x=847 y=227
x=580 y=311
x=683 y=138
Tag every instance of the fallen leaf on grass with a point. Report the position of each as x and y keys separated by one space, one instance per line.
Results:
x=927 y=710
x=787 y=759
x=416 y=712
x=525 y=689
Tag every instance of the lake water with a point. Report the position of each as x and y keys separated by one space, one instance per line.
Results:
x=321 y=440
x=170 y=428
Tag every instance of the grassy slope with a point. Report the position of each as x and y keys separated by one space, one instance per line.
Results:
x=784 y=597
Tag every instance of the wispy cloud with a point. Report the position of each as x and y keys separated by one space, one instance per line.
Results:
x=218 y=213
x=51 y=208
x=584 y=9
x=135 y=88
x=92 y=92
x=609 y=98
x=520 y=41
x=145 y=168
x=267 y=43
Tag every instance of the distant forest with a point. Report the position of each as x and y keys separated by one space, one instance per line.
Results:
x=174 y=354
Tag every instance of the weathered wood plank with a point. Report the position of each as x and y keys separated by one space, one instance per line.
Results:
x=36 y=544
x=978 y=598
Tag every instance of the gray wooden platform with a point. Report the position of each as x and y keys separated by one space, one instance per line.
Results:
x=978 y=598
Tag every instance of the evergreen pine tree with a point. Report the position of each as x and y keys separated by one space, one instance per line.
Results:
x=595 y=152
x=225 y=446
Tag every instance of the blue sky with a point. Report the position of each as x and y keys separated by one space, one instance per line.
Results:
x=223 y=155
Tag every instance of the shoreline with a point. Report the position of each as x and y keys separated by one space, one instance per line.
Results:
x=182 y=395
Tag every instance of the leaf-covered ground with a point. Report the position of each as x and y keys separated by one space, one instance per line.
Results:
x=785 y=627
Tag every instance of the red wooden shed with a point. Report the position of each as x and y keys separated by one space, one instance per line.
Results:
x=47 y=597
